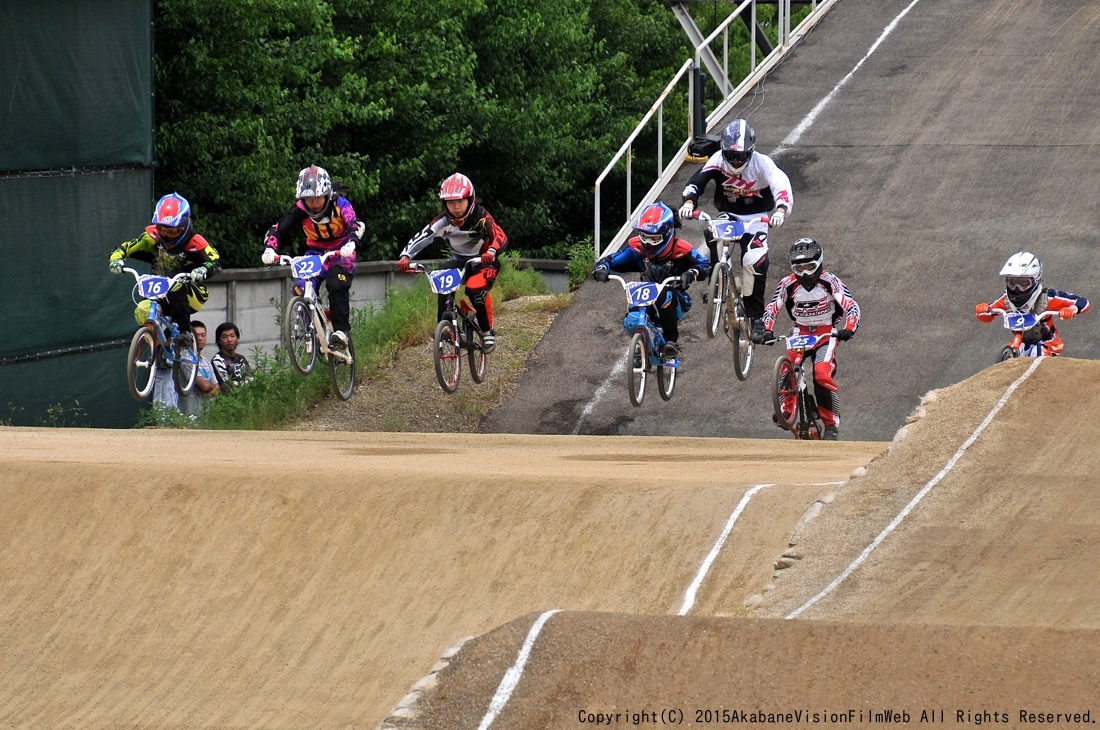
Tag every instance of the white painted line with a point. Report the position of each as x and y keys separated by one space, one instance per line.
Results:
x=810 y=118
x=919 y=495
x=620 y=367
x=511 y=677
x=689 y=597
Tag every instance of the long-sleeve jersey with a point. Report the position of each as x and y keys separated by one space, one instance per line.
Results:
x=194 y=252
x=1052 y=300
x=759 y=188
x=828 y=303
x=680 y=257
x=338 y=227
x=479 y=233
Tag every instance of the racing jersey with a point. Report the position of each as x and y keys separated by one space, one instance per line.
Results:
x=479 y=233
x=759 y=188
x=194 y=252
x=1052 y=300
x=338 y=226
x=826 y=304
x=680 y=257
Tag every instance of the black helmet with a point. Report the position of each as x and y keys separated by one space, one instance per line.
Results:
x=806 y=258
x=738 y=143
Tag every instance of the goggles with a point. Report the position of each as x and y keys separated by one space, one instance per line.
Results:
x=1019 y=284
x=170 y=232
x=805 y=267
x=652 y=240
x=736 y=157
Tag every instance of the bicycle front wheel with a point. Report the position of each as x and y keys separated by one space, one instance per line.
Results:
x=342 y=371
x=448 y=355
x=716 y=297
x=184 y=369
x=636 y=365
x=666 y=379
x=299 y=338
x=141 y=364
x=479 y=361
x=785 y=394
x=740 y=339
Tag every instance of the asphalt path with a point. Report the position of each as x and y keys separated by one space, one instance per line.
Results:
x=927 y=141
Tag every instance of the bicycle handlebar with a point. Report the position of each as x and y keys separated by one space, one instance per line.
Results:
x=181 y=276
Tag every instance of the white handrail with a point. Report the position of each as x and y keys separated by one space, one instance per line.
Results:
x=730 y=99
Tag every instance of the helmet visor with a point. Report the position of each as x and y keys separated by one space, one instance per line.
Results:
x=737 y=157
x=1019 y=284
x=170 y=233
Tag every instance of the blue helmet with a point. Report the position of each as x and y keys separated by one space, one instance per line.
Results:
x=655 y=226
x=172 y=217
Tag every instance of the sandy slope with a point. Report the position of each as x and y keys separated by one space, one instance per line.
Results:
x=309 y=580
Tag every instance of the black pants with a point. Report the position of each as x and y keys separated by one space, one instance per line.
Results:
x=338 y=283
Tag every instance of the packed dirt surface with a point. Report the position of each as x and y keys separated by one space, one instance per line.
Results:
x=312 y=579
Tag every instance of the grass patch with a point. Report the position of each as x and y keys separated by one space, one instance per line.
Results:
x=277 y=394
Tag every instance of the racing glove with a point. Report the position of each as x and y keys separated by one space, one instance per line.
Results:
x=688 y=278
x=269 y=256
x=777 y=217
x=686 y=209
x=982 y=311
x=403 y=265
x=488 y=257
x=347 y=251
x=1067 y=312
x=115 y=267
x=198 y=274
x=844 y=334
x=600 y=273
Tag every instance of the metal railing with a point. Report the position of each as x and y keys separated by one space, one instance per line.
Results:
x=704 y=56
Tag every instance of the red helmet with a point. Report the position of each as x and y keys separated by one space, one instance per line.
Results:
x=457 y=187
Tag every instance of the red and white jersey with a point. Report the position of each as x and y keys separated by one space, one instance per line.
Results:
x=828 y=303
x=759 y=188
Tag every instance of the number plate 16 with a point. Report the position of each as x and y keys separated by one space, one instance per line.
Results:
x=153 y=287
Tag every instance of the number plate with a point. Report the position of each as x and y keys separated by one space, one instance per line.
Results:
x=728 y=230
x=445 y=281
x=1021 y=321
x=801 y=342
x=642 y=293
x=153 y=287
x=306 y=267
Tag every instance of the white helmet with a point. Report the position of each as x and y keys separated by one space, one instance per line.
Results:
x=1023 y=273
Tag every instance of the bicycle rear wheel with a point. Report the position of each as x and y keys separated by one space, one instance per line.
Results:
x=342 y=372
x=447 y=355
x=479 y=361
x=299 y=339
x=716 y=298
x=637 y=366
x=739 y=338
x=184 y=369
x=141 y=364
x=783 y=392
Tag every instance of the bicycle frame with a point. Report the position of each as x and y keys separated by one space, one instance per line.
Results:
x=1019 y=323
x=804 y=423
x=308 y=268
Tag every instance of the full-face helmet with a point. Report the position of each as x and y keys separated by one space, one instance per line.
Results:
x=457 y=187
x=172 y=217
x=655 y=228
x=806 y=259
x=1023 y=273
x=315 y=191
x=738 y=144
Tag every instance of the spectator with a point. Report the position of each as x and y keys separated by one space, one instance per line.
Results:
x=206 y=385
x=231 y=369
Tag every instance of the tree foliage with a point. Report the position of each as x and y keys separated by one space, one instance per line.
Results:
x=529 y=98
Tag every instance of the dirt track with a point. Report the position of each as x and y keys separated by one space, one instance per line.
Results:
x=266 y=598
